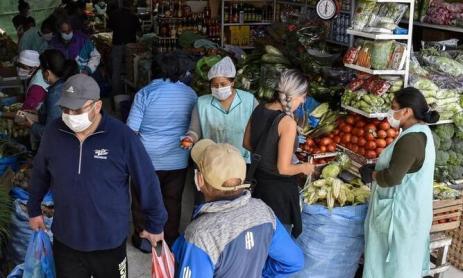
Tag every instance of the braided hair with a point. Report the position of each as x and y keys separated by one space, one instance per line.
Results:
x=292 y=84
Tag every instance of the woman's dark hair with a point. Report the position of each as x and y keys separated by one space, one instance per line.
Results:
x=54 y=61
x=48 y=24
x=170 y=66
x=63 y=20
x=23 y=6
x=412 y=98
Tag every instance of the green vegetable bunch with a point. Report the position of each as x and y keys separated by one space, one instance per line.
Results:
x=448 y=141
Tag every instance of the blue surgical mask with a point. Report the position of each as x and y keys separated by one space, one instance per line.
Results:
x=67 y=37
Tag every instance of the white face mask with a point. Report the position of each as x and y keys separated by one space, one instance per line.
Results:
x=77 y=123
x=23 y=73
x=67 y=37
x=393 y=121
x=222 y=93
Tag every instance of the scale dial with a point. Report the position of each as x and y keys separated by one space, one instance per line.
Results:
x=326 y=9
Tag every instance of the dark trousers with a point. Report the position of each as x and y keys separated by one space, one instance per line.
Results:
x=118 y=61
x=172 y=184
x=71 y=263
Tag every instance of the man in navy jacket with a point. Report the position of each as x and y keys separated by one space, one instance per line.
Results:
x=86 y=159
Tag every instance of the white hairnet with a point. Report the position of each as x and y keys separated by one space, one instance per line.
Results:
x=29 y=58
x=224 y=68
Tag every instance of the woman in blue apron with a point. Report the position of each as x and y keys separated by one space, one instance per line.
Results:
x=399 y=217
x=223 y=115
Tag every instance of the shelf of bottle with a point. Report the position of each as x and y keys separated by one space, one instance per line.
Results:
x=244 y=1
x=244 y=47
x=291 y=3
x=170 y=18
x=249 y=24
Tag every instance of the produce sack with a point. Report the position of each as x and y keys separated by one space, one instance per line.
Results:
x=20 y=232
x=332 y=241
x=39 y=262
x=163 y=262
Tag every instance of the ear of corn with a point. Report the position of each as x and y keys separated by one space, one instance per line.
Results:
x=333 y=192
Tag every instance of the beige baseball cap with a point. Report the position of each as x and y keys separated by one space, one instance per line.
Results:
x=219 y=163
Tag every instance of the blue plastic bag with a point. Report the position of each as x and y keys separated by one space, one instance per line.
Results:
x=20 y=231
x=17 y=272
x=332 y=242
x=39 y=262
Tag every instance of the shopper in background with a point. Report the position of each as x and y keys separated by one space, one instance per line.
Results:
x=399 y=215
x=125 y=25
x=28 y=67
x=271 y=136
x=161 y=115
x=85 y=158
x=55 y=70
x=223 y=115
x=23 y=21
x=38 y=39
x=232 y=234
x=77 y=46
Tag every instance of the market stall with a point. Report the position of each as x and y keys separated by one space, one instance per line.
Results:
x=356 y=55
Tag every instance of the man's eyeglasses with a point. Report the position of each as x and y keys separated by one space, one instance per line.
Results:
x=78 y=111
x=22 y=66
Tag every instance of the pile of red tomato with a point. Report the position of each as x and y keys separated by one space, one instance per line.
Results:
x=363 y=136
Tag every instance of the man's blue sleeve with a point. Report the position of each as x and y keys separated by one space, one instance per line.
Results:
x=191 y=261
x=284 y=257
x=147 y=185
x=41 y=178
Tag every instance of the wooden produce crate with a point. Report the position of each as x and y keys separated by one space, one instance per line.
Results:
x=446 y=215
x=456 y=249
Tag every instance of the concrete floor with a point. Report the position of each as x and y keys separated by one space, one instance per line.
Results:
x=140 y=265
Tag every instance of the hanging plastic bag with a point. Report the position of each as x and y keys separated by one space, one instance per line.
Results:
x=39 y=262
x=163 y=262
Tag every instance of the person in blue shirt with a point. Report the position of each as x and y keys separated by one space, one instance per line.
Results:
x=161 y=115
x=86 y=158
x=305 y=109
x=232 y=234
x=37 y=38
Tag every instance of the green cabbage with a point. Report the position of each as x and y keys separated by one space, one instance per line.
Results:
x=428 y=87
x=331 y=171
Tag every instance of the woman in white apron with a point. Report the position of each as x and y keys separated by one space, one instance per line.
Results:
x=399 y=217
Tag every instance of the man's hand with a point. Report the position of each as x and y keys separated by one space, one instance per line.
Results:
x=153 y=238
x=29 y=122
x=37 y=223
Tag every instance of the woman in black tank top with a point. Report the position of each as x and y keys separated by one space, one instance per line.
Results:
x=271 y=135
